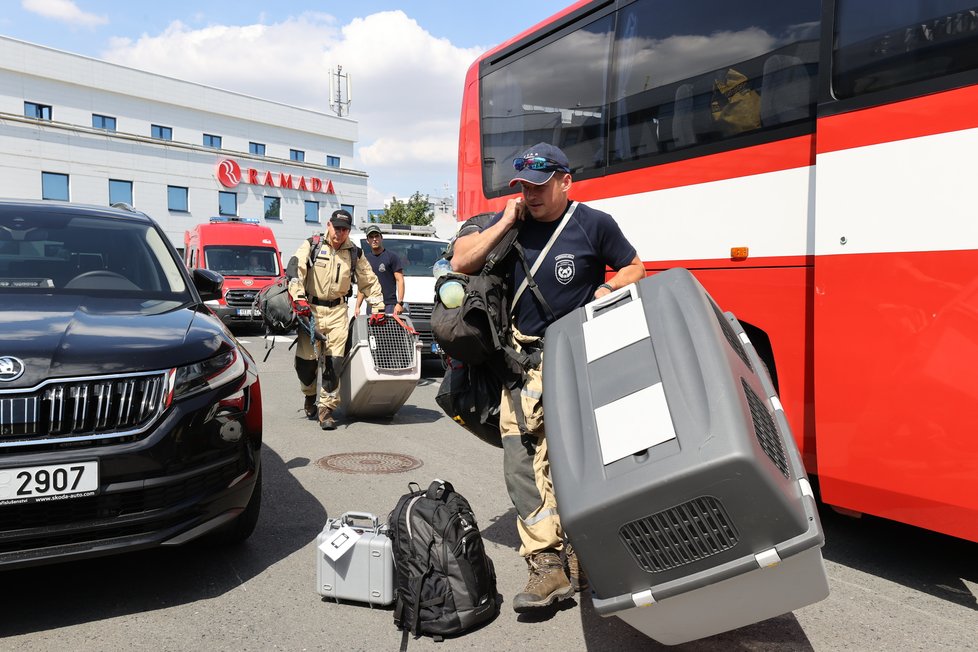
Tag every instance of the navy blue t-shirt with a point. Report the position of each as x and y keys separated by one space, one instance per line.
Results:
x=574 y=266
x=384 y=266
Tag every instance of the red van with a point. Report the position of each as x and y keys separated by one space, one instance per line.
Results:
x=245 y=253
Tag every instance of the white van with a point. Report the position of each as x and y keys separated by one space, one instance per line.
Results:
x=418 y=248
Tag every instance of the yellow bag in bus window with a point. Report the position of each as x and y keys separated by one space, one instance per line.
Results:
x=735 y=106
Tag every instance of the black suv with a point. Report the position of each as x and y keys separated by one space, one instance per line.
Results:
x=129 y=416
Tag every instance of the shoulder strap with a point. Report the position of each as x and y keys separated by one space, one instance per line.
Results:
x=315 y=243
x=354 y=257
x=539 y=261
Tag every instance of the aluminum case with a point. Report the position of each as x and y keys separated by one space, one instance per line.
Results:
x=365 y=573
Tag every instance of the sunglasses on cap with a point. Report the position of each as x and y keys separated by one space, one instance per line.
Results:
x=539 y=163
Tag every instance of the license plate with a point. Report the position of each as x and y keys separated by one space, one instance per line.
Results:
x=248 y=312
x=50 y=482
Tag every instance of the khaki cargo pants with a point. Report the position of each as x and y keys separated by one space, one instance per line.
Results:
x=526 y=465
x=334 y=323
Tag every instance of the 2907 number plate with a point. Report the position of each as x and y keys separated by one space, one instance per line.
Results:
x=49 y=482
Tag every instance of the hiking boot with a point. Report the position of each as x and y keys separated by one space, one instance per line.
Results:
x=326 y=420
x=578 y=579
x=546 y=585
x=309 y=407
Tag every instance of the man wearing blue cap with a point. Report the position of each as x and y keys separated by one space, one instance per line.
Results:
x=574 y=244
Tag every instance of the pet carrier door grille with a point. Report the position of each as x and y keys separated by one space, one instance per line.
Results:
x=391 y=345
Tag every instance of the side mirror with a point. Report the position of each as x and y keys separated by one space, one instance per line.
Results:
x=208 y=283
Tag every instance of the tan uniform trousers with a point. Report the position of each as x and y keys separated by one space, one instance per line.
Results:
x=334 y=323
x=526 y=465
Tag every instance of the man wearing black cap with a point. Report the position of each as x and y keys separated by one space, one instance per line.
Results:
x=387 y=266
x=575 y=245
x=324 y=281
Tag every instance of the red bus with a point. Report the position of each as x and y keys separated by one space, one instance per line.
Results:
x=810 y=162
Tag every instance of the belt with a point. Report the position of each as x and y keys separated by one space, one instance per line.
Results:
x=325 y=303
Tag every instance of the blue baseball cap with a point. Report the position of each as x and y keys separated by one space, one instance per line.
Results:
x=538 y=164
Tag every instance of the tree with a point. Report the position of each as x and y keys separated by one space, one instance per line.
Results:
x=415 y=210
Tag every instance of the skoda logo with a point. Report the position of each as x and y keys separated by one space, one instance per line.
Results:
x=10 y=368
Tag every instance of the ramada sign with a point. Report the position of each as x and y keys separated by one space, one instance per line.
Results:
x=229 y=174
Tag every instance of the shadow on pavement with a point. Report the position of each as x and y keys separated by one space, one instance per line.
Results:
x=922 y=560
x=610 y=633
x=50 y=597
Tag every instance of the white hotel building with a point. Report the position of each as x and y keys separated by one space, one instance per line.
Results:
x=73 y=128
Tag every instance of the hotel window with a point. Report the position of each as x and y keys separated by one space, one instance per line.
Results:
x=312 y=211
x=227 y=203
x=332 y=161
x=212 y=141
x=273 y=208
x=176 y=199
x=163 y=133
x=120 y=192
x=297 y=155
x=258 y=149
x=54 y=186
x=39 y=111
x=103 y=122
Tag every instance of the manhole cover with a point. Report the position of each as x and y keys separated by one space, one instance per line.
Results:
x=369 y=463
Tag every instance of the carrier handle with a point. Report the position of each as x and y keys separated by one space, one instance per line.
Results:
x=348 y=517
x=610 y=298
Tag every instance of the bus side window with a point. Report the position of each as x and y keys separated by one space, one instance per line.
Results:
x=785 y=90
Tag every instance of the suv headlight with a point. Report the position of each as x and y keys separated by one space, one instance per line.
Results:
x=205 y=375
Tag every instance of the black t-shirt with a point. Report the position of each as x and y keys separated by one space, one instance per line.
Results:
x=573 y=268
x=384 y=265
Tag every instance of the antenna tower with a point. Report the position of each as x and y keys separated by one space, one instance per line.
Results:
x=340 y=91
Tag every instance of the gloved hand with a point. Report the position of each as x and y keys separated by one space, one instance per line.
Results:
x=301 y=307
x=376 y=318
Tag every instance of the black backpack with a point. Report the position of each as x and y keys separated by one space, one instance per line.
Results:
x=444 y=581
x=477 y=331
x=275 y=305
x=470 y=395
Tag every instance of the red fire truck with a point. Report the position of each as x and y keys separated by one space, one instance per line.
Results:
x=246 y=253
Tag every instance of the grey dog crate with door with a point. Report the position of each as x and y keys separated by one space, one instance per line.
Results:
x=676 y=475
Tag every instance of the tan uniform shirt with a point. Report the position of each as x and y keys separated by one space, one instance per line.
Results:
x=329 y=277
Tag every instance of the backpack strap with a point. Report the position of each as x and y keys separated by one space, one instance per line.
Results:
x=354 y=257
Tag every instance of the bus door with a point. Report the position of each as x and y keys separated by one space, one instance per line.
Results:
x=896 y=266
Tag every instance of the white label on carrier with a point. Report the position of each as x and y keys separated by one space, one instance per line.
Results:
x=615 y=329
x=339 y=542
x=633 y=423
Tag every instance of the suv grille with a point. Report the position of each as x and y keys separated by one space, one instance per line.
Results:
x=73 y=409
x=681 y=535
x=240 y=298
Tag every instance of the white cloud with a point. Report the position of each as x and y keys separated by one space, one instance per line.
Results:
x=407 y=84
x=63 y=10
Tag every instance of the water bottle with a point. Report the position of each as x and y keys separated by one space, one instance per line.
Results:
x=451 y=294
x=441 y=267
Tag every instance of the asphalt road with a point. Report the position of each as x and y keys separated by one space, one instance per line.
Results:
x=892 y=587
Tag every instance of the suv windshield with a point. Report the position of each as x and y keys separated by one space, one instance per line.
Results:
x=417 y=256
x=242 y=260
x=69 y=253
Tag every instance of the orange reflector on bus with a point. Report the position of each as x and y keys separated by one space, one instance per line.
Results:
x=738 y=253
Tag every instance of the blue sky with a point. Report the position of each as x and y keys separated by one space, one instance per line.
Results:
x=417 y=51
